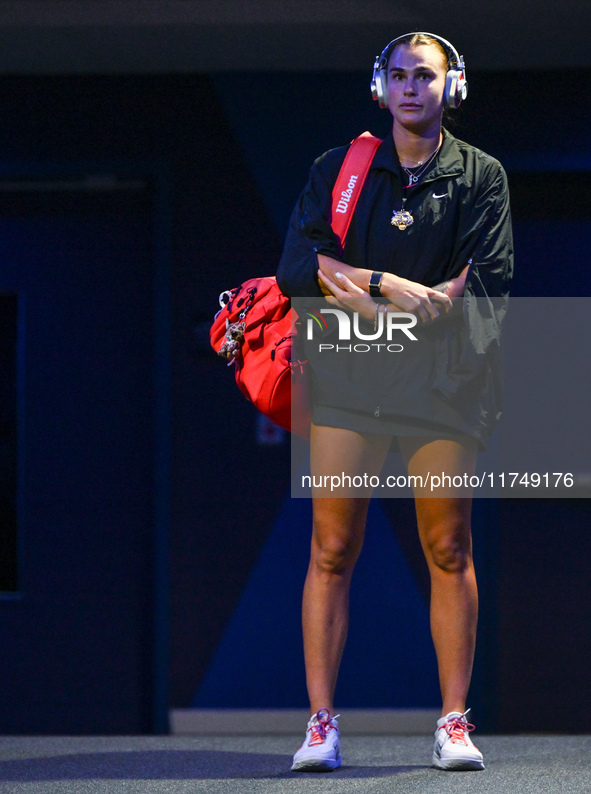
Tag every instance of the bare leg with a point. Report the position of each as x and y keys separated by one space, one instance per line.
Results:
x=337 y=538
x=445 y=534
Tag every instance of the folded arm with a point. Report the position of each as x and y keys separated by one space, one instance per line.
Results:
x=407 y=296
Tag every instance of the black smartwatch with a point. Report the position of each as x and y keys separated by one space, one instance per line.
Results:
x=375 y=282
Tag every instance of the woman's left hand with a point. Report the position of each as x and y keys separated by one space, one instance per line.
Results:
x=347 y=295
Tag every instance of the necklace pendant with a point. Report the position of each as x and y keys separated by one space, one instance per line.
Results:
x=402 y=219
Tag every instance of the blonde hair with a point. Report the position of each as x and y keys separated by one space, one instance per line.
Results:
x=418 y=39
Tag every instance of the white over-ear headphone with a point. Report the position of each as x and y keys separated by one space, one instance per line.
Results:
x=456 y=87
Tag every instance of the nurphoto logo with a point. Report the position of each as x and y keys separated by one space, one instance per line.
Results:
x=400 y=322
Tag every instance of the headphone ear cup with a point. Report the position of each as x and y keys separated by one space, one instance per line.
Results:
x=456 y=89
x=379 y=87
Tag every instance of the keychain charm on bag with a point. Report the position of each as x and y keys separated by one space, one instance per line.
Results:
x=234 y=338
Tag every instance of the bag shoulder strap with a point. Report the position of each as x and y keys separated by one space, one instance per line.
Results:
x=350 y=180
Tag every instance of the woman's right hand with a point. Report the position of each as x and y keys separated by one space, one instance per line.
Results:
x=410 y=296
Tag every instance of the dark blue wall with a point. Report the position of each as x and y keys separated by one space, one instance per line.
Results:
x=78 y=633
x=77 y=641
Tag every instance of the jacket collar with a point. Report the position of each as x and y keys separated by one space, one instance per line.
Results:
x=449 y=160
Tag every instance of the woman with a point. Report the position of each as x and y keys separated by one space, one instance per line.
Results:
x=432 y=223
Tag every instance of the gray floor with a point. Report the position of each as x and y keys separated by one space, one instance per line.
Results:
x=61 y=765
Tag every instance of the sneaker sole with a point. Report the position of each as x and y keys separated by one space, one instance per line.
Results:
x=319 y=765
x=458 y=764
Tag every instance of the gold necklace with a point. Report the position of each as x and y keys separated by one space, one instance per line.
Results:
x=402 y=218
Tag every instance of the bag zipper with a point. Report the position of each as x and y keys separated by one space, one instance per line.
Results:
x=280 y=342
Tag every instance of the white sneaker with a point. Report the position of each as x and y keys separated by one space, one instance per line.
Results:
x=453 y=747
x=321 y=750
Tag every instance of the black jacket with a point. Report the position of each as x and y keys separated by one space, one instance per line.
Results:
x=469 y=221
x=461 y=215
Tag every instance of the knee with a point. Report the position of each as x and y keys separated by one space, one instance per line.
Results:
x=334 y=556
x=334 y=559
x=450 y=548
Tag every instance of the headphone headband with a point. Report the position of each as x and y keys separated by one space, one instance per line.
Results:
x=456 y=87
x=456 y=61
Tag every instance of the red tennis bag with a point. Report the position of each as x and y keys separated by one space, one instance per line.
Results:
x=256 y=326
x=254 y=332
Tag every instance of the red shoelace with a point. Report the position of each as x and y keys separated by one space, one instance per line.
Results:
x=455 y=728
x=321 y=727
